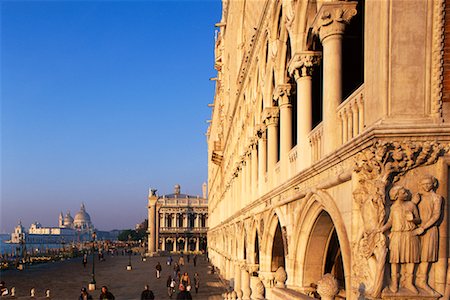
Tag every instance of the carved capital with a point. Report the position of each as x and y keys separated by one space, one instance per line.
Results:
x=327 y=287
x=259 y=130
x=333 y=17
x=282 y=93
x=270 y=115
x=303 y=63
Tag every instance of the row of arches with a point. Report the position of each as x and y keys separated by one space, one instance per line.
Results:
x=307 y=241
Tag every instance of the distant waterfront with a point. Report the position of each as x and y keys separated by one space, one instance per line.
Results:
x=7 y=248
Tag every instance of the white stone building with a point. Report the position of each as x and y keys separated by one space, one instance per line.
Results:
x=322 y=110
x=177 y=222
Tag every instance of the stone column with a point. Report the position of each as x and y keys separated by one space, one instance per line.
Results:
x=262 y=157
x=245 y=283
x=282 y=94
x=152 y=199
x=330 y=25
x=271 y=121
x=237 y=280
x=163 y=244
x=254 y=167
x=186 y=242
x=301 y=68
x=197 y=244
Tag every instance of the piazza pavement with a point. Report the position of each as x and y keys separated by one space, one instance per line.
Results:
x=66 y=278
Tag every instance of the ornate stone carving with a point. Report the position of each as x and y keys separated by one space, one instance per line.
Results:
x=430 y=210
x=437 y=58
x=333 y=17
x=270 y=115
x=289 y=13
x=280 y=277
x=376 y=169
x=327 y=287
x=303 y=63
x=282 y=93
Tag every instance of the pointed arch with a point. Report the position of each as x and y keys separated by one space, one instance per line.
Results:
x=318 y=218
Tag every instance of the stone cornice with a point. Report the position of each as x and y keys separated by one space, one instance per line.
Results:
x=332 y=18
x=303 y=63
x=374 y=133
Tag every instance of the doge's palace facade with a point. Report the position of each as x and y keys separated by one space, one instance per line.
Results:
x=329 y=149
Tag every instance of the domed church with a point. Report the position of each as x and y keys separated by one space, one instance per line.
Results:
x=82 y=221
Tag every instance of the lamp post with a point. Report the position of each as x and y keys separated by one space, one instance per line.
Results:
x=129 y=268
x=92 y=284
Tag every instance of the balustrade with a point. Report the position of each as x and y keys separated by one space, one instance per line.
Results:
x=351 y=115
x=316 y=142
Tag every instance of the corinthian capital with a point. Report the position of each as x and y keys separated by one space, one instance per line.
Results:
x=270 y=115
x=282 y=93
x=333 y=17
x=303 y=63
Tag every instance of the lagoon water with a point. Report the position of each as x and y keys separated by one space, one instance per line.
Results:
x=6 y=248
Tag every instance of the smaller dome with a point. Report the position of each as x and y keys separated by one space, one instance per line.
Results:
x=68 y=219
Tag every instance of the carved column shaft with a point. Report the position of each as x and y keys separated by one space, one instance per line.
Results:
x=254 y=166
x=262 y=158
x=301 y=67
x=271 y=122
x=330 y=24
x=237 y=281
x=245 y=276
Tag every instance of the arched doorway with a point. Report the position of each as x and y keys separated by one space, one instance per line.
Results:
x=323 y=253
x=180 y=244
x=257 y=249
x=169 y=244
x=278 y=259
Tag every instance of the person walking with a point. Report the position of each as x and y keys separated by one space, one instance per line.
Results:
x=196 y=282
x=185 y=280
x=170 y=286
x=158 y=270
x=84 y=260
x=106 y=295
x=188 y=257
x=84 y=295
x=195 y=260
x=169 y=260
x=147 y=293
x=183 y=294
x=181 y=260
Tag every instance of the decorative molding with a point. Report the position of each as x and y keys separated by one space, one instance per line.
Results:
x=270 y=115
x=282 y=93
x=437 y=58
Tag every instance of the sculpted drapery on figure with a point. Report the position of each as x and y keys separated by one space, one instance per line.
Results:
x=377 y=169
x=430 y=207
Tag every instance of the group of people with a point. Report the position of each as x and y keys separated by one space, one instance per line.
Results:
x=104 y=295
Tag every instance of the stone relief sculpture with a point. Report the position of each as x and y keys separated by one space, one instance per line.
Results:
x=404 y=242
x=430 y=207
x=376 y=169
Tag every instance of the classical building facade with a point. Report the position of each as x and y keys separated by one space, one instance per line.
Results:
x=329 y=149
x=177 y=222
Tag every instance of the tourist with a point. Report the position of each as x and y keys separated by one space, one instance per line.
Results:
x=84 y=295
x=196 y=282
x=84 y=260
x=183 y=294
x=158 y=270
x=169 y=260
x=188 y=257
x=3 y=289
x=185 y=280
x=107 y=295
x=176 y=270
x=147 y=293
x=195 y=260
x=170 y=286
x=181 y=260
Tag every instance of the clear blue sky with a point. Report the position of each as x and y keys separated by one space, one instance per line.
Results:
x=100 y=101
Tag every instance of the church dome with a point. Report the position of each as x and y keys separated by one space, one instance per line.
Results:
x=68 y=220
x=82 y=219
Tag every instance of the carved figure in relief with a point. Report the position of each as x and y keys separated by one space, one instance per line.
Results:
x=372 y=242
x=430 y=206
x=404 y=242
